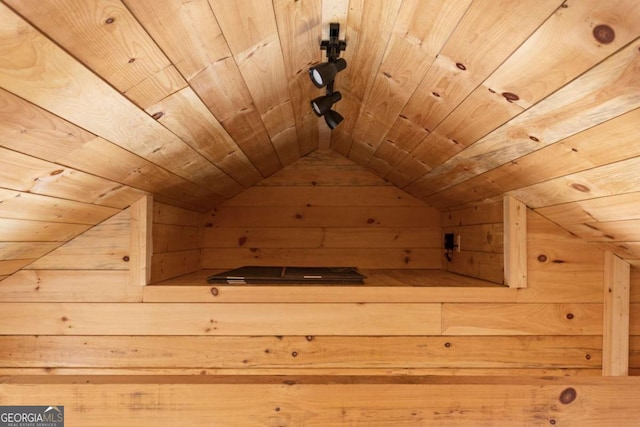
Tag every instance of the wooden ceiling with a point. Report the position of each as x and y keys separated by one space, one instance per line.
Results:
x=456 y=102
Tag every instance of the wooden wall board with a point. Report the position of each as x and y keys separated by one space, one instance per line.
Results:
x=17 y=230
x=18 y=250
x=318 y=257
x=608 y=231
x=543 y=121
x=615 y=347
x=8 y=267
x=136 y=131
x=482 y=265
x=477 y=214
x=467 y=402
x=522 y=319
x=619 y=207
x=607 y=142
x=218 y=319
x=299 y=28
x=410 y=52
x=307 y=372
x=369 y=26
x=186 y=115
x=196 y=292
x=478 y=56
x=252 y=35
x=102 y=247
x=324 y=195
x=515 y=243
x=479 y=238
x=620 y=178
x=140 y=241
x=172 y=238
x=191 y=37
x=28 y=206
x=318 y=216
x=106 y=37
x=320 y=352
x=28 y=174
x=168 y=214
x=69 y=286
x=305 y=237
x=171 y=264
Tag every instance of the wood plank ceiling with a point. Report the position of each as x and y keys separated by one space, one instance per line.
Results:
x=456 y=102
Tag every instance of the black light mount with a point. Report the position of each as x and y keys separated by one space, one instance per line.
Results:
x=333 y=46
x=323 y=75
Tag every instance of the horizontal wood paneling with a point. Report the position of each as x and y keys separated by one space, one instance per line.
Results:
x=69 y=286
x=177 y=241
x=359 y=222
x=515 y=401
x=227 y=319
x=320 y=352
x=522 y=319
x=318 y=257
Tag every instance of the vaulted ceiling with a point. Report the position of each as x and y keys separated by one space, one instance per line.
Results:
x=456 y=102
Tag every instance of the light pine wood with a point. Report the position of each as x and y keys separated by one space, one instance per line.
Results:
x=223 y=319
x=321 y=257
x=17 y=230
x=50 y=87
x=515 y=243
x=590 y=98
x=299 y=27
x=28 y=206
x=615 y=347
x=369 y=24
x=319 y=352
x=106 y=37
x=102 y=247
x=29 y=174
x=190 y=36
x=522 y=319
x=465 y=402
x=140 y=241
x=250 y=30
x=69 y=286
x=415 y=40
x=175 y=263
x=186 y=115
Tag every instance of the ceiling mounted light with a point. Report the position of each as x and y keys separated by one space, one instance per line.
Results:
x=322 y=104
x=324 y=74
x=333 y=119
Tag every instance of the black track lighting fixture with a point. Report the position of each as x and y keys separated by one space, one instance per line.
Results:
x=322 y=104
x=324 y=74
x=333 y=119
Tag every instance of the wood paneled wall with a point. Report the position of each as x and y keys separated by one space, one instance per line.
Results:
x=634 y=322
x=177 y=241
x=481 y=231
x=94 y=266
x=324 y=210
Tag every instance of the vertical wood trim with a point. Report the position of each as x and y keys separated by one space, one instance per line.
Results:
x=141 y=246
x=515 y=243
x=615 y=346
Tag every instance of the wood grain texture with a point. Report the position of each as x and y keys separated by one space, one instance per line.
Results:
x=615 y=347
x=227 y=319
x=320 y=352
x=515 y=243
x=522 y=319
x=465 y=402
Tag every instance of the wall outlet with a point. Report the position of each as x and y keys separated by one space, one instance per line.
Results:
x=449 y=241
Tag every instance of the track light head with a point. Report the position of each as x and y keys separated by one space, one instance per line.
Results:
x=322 y=104
x=333 y=119
x=325 y=72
